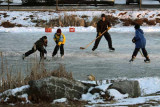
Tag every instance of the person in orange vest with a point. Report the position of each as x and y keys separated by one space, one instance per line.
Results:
x=60 y=40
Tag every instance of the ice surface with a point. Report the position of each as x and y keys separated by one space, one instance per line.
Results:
x=101 y=63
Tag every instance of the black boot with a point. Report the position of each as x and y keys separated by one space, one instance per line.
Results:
x=23 y=56
x=93 y=49
x=131 y=60
x=147 y=60
x=112 y=49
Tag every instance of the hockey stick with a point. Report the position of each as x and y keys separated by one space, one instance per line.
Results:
x=141 y=53
x=93 y=40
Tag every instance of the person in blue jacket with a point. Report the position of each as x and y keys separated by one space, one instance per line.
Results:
x=140 y=43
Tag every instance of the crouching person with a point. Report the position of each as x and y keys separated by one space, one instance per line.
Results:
x=140 y=43
x=60 y=40
x=38 y=45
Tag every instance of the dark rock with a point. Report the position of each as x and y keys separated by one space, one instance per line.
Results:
x=95 y=90
x=126 y=86
x=51 y=88
x=89 y=85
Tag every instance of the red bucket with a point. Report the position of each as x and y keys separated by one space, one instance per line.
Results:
x=71 y=29
x=48 y=30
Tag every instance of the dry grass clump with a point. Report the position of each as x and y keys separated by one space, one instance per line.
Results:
x=127 y=22
x=130 y=22
x=7 y=24
x=5 y=15
x=71 y=20
x=113 y=20
x=10 y=78
x=93 y=22
x=84 y=16
x=138 y=21
x=157 y=20
x=61 y=72
x=121 y=14
x=151 y=22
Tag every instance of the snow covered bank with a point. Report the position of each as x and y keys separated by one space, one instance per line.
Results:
x=80 y=18
x=149 y=85
x=79 y=29
x=149 y=100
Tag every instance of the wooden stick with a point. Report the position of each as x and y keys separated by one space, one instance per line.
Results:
x=93 y=40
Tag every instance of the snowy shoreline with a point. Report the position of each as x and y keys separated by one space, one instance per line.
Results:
x=79 y=29
x=95 y=99
x=117 y=18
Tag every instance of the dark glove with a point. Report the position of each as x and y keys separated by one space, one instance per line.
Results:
x=45 y=43
x=134 y=40
x=45 y=51
x=99 y=33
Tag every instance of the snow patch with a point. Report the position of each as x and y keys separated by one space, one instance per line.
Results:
x=149 y=85
x=95 y=98
x=132 y=101
x=116 y=94
x=14 y=91
x=103 y=87
x=62 y=100
x=24 y=96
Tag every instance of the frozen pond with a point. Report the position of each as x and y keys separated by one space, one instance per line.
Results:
x=101 y=63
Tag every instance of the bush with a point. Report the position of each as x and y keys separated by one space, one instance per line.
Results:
x=127 y=22
x=11 y=78
x=7 y=24
x=94 y=21
x=121 y=14
x=158 y=15
x=61 y=72
x=5 y=15
x=19 y=25
x=151 y=22
x=84 y=16
x=145 y=20
x=138 y=21
x=157 y=20
x=112 y=19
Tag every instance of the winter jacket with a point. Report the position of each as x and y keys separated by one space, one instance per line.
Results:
x=139 y=38
x=40 y=44
x=59 y=39
x=102 y=26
